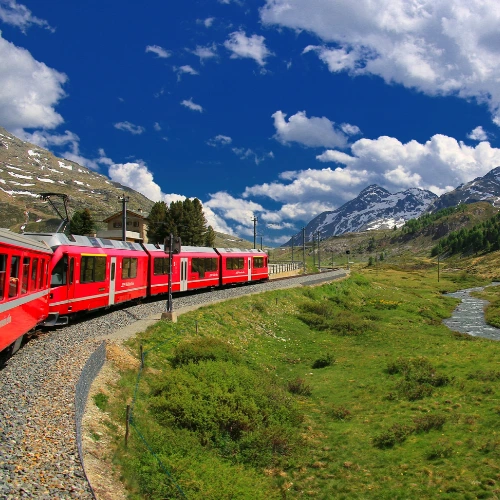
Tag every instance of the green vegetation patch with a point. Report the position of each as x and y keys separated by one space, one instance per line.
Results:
x=272 y=396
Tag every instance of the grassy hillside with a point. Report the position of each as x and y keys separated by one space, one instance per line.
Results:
x=362 y=393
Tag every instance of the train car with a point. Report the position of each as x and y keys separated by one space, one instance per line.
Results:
x=92 y=273
x=242 y=265
x=24 y=287
x=192 y=268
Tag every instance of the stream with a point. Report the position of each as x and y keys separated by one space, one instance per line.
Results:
x=468 y=316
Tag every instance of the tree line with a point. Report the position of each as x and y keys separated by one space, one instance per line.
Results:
x=181 y=218
x=413 y=225
x=483 y=237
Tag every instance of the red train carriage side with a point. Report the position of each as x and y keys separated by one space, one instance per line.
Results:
x=193 y=268
x=24 y=303
x=92 y=273
x=241 y=265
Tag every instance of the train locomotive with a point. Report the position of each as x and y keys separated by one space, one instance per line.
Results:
x=83 y=274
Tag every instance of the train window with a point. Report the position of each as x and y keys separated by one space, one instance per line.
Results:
x=161 y=265
x=258 y=262
x=43 y=273
x=233 y=263
x=14 y=276
x=92 y=268
x=25 y=275
x=203 y=265
x=58 y=276
x=34 y=275
x=3 y=273
x=71 y=273
x=129 y=268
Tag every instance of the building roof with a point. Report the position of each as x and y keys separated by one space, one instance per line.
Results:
x=120 y=214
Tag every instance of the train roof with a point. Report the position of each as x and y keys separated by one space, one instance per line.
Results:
x=54 y=240
x=152 y=248
x=240 y=250
x=23 y=241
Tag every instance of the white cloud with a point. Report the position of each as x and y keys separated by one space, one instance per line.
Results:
x=219 y=140
x=242 y=46
x=20 y=16
x=207 y=52
x=249 y=154
x=136 y=176
x=226 y=206
x=439 y=47
x=191 y=105
x=350 y=129
x=130 y=127
x=159 y=51
x=478 y=134
x=157 y=126
x=208 y=22
x=184 y=70
x=29 y=90
x=312 y=132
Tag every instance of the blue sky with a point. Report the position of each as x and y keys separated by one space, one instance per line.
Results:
x=279 y=109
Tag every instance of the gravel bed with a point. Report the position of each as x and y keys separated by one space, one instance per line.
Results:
x=38 y=452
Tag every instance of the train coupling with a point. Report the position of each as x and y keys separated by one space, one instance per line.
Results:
x=55 y=320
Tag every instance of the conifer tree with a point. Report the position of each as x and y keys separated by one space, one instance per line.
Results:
x=210 y=237
x=157 y=223
x=82 y=222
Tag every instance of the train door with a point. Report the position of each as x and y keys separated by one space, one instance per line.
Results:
x=249 y=268
x=184 y=274
x=71 y=283
x=112 y=281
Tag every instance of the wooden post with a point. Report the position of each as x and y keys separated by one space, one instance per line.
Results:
x=142 y=357
x=127 y=424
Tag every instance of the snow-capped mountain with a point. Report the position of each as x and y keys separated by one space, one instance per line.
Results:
x=485 y=188
x=373 y=208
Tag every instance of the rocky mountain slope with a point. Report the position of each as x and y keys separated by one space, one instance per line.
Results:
x=374 y=208
x=486 y=188
x=26 y=170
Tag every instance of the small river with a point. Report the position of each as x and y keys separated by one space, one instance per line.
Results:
x=468 y=316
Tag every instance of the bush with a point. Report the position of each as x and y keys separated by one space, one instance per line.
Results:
x=441 y=449
x=323 y=362
x=426 y=423
x=204 y=349
x=101 y=400
x=239 y=411
x=299 y=386
x=395 y=434
x=340 y=413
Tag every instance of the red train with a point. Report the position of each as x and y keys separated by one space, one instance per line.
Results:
x=91 y=273
x=24 y=286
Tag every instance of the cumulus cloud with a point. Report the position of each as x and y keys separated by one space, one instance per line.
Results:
x=439 y=47
x=20 y=16
x=478 y=134
x=228 y=207
x=439 y=165
x=159 y=51
x=157 y=126
x=188 y=103
x=29 y=90
x=184 y=70
x=349 y=129
x=312 y=132
x=249 y=154
x=242 y=46
x=208 y=52
x=130 y=127
x=219 y=140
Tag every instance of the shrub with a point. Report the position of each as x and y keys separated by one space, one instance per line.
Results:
x=441 y=449
x=324 y=361
x=101 y=400
x=484 y=375
x=204 y=349
x=340 y=412
x=426 y=423
x=299 y=386
x=390 y=437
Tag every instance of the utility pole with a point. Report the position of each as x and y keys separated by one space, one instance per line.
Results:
x=254 y=220
x=314 y=243
x=293 y=237
x=124 y=199
x=319 y=254
x=304 y=248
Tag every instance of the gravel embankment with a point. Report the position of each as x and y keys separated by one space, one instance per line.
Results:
x=38 y=453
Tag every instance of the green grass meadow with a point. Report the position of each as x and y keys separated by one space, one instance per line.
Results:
x=353 y=389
